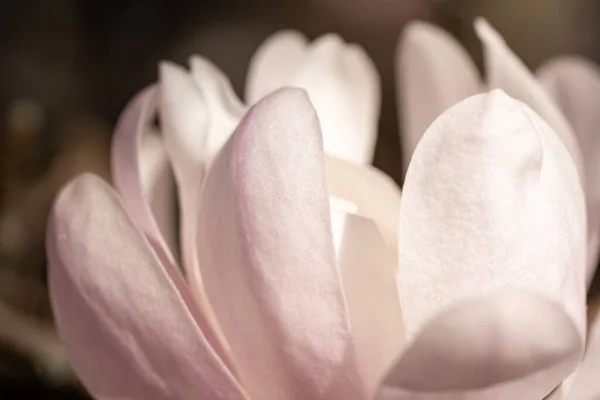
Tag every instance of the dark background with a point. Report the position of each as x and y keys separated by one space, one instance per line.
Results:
x=75 y=63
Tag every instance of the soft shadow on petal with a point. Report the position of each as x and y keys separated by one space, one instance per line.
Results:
x=224 y=107
x=491 y=202
x=274 y=64
x=504 y=70
x=134 y=181
x=433 y=72
x=368 y=271
x=506 y=345
x=129 y=325
x=266 y=253
x=574 y=84
x=372 y=193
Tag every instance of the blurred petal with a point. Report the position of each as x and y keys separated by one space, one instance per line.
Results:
x=506 y=71
x=274 y=64
x=266 y=254
x=224 y=107
x=129 y=325
x=433 y=72
x=371 y=194
x=586 y=385
x=575 y=86
x=369 y=276
x=133 y=179
x=507 y=345
x=492 y=203
x=342 y=83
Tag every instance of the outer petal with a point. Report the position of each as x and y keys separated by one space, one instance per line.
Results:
x=368 y=271
x=267 y=257
x=506 y=71
x=492 y=205
x=586 y=385
x=433 y=72
x=342 y=83
x=130 y=162
x=369 y=193
x=128 y=324
x=224 y=107
x=575 y=85
x=274 y=64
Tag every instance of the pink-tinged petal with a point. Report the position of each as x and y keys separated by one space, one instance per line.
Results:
x=491 y=203
x=274 y=64
x=506 y=345
x=585 y=385
x=369 y=193
x=433 y=72
x=266 y=253
x=224 y=107
x=368 y=271
x=575 y=86
x=131 y=175
x=504 y=70
x=343 y=85
x=130 y=326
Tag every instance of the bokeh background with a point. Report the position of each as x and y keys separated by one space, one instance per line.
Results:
x=67 y=67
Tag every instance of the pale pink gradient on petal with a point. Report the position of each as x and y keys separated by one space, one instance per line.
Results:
x=266 y=253
x=433 y=72
x=574 y=83
x=492 y=203
x=128 y=324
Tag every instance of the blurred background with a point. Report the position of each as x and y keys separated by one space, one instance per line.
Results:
x=67 y=67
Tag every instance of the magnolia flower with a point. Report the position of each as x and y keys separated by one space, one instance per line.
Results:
x=304 y=274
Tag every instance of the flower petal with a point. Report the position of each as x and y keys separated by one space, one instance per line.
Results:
x=266 y=253
x=371 y=194
x=368 y=271
x=274 y=64
x=433 y=72
x=224 y=107
x=128 y=324
x=491 y=203
x=130 y=174
x=506 y=71
x=507 y=345
x=575 y=86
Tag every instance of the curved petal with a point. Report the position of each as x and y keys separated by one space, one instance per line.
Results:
x=433 y=72
x=371 y=194
x=129 y=325
x=274 y=64
x=344 y=87
x=585 y=385
x=506 y=71
x=368 y=272
x=266 y=253
x=507 y=345
x=575 y=86
x=224 y=107
x=129 y=167
x=491 y=203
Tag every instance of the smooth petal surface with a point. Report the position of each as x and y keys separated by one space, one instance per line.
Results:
x=129 y=326
x=369 y=193
x=266 y=253
x=433 y=72
x=492 y=203
x=575 y=86
x=504 y=70
x=224 y=107
x=342 y=83
x=368 y=271
x=135 y=181
x=274 y=64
